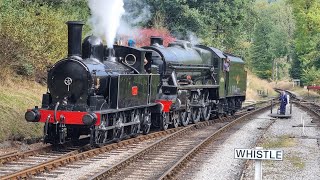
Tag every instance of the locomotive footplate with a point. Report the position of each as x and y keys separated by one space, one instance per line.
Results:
x=190 y=87
x=110 y=111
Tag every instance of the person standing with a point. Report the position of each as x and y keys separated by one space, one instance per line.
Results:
x=283 y=102
x=226 y=69
x=131 y=43
x=226 y=65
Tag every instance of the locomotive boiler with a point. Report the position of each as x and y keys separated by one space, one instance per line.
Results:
x=110 y=94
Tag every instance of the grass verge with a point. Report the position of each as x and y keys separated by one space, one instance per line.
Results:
x=282 y=141
x=16 y=96
x=296 y=162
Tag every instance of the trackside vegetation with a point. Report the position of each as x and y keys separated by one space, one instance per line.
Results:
x=32 y=36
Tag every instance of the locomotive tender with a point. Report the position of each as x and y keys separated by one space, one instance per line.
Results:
x=111 y=94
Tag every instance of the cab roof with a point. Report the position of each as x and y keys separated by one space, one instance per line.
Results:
x=234 y=58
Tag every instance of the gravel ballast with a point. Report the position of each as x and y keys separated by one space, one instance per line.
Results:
x=301 y=151
x=301 y=158
x=221 y=164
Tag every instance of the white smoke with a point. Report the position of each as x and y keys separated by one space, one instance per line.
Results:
x=137 y=14
x=128 y=30
x=105 y=18
x=192 y=37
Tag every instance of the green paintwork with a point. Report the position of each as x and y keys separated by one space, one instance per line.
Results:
x=237 y=82
x=154 y=83
x=221 y=79
x=237 y=79
x=121 y=90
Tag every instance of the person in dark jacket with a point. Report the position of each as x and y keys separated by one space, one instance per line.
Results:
x=283 y=102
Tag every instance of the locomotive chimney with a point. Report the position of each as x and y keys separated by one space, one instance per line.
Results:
x=156 y=40
x=74 y=38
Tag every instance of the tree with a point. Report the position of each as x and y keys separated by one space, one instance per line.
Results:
x=262 y=50
x=273 y=36
x=202 y=17
x=307 y=39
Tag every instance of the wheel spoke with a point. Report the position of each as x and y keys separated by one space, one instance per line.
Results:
x=136 y=127
x=146 y=121
x=164 y=121
x=119 y=130
x=195 y=115
x=184 y=118
x=175 y=119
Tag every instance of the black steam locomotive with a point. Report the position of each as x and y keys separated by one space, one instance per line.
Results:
x=111 y=94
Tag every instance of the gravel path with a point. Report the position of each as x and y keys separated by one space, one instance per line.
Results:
x=301 y=149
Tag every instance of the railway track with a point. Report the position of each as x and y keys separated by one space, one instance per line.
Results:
x=14 y=156
x=44 y=161
x=208 y=147
x=29 y=164
x=162 y=159
x=21 y=165
x=311 y=107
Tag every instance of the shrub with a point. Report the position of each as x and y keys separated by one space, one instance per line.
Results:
x=26 y=69
x=38 y=30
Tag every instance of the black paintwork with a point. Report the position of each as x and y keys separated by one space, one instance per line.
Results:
x=79 y=78
x=96 y=77
x=74 y=38
x=92 y=47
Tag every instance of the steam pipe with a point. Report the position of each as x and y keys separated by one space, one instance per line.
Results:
x=74 y=38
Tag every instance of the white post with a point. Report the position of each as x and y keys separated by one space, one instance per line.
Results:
x=303 y=132
x=258 y=167
x=288 y=98
x=302 y=123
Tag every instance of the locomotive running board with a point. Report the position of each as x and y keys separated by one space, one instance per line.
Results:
x=190 y=68
x=189 y=87
x=151 y=105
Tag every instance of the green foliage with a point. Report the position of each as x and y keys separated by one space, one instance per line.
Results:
x=202 y=18
x=261 y=50
x=37 y=30
x=272 y=37
x=26 y=69
x=295 y=71
x=307 y=40
x=311 y=75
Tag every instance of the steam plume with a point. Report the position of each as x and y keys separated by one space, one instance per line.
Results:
x=105 y=18
x=192 y=37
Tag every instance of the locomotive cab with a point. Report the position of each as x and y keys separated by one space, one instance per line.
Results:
x=138 y=59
